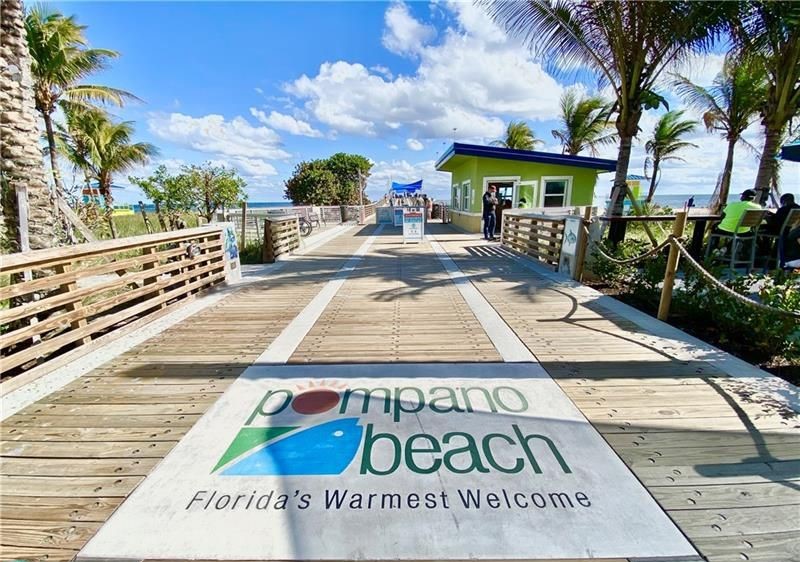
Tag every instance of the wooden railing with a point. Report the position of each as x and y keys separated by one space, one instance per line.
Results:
x=538 y=236
x=64 y=297
x=281 y=236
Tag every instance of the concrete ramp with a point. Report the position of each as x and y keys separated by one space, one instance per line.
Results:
x=391 y=462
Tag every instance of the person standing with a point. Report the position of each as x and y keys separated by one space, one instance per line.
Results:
x=489 y=207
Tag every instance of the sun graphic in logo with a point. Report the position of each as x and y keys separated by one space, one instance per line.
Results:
x=316 y=398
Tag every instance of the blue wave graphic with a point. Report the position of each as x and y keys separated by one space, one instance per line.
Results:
x=327 y=448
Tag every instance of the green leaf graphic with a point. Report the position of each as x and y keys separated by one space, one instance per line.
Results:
x=248 y=438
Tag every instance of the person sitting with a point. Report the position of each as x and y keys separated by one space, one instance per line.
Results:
x=775 y=221
x=733 y=213
x=791 y=249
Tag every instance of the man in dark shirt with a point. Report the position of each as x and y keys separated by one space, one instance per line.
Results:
x=775 y=221
x=489 y=205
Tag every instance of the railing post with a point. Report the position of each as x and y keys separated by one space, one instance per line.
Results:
x=147 y=224
x=583 y=243
x=672 y=266
x=73 y=306
x=244 y=224
x=267 y=254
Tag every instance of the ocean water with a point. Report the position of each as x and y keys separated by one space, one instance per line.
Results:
x=150 y=208
x=674 y=201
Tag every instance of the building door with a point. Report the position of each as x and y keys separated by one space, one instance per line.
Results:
x=505 y=190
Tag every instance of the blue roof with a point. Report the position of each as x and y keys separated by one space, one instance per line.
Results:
x=481 y=151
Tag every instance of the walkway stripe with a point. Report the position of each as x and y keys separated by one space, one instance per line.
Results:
x=282 y=347
x=505 y=340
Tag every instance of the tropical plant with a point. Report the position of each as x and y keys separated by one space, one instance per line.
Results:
x=102 y=148
x=628 y=45
x=60 y=61
x=585 y=123
x=211 y=187
x=729 y=106
x=518 y=136
x=171 y=195
x=665 y=143
x=768 y=32
x=331 y=181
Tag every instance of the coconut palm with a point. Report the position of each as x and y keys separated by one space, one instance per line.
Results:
x=665 y=143
x=103 y=148
x=519 y=136
x=60 y=61
x=729 y=106
x=584 y=123
x=628 y=45
x=769 y=33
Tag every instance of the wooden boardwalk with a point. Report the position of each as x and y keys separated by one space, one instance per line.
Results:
x=716 y=449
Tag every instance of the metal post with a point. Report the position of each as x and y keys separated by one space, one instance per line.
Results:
x=360 y=198
x=672 y=266
x=244 y=223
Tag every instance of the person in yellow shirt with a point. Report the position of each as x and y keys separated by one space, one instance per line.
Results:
x=734 y=211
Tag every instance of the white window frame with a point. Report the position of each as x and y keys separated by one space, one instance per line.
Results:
x=466 y=195
x=534 y=193
x=567 y=191
x=455 y=196
x=515 y=188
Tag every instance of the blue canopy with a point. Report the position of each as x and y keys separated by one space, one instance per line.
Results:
x=406 y=187
x=791 y=152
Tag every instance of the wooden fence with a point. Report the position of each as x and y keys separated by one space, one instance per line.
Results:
x=281 y=236
x=61 y=298
x=538 y=236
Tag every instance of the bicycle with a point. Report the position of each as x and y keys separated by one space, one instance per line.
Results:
x=305 y=226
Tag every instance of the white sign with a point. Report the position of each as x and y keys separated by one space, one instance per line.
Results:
x=572 y=229
x=413 y=224
x=390 y=462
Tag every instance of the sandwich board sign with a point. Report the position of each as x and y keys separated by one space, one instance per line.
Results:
x=390 y=462
x=413 y=224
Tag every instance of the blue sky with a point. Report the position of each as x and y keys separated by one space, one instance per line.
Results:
x=261 y=86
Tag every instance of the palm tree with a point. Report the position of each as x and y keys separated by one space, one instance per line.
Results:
x=103 y=148
x=584 y=123
x=628 y=45
x=769 y=33
x=729 y=106
x=60 y=60
x=666 y=143
x=519 y=136
x=20 y=152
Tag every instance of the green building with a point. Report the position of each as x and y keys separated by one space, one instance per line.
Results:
x=542 y=179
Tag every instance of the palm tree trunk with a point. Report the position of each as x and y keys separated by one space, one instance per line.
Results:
x=652 y=191
x=616 y=232
x=20 y=151
x=768 y=166
x=51 y=143
x=105 y=189
x=725 y=184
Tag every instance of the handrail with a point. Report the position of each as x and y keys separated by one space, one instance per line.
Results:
x=29 y=260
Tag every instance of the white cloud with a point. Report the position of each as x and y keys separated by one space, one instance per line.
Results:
x=380 y=69
x=474 y=79
x=414 y=144
x=287 y=123
x=393 y=147
x=700 y=69
x=404 y=35
x=236 y=142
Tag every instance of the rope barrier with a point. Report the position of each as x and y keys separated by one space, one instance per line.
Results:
x=628 y=261
x=725 y=289
x=671 y=239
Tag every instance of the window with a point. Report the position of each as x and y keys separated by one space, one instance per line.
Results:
x=456 y=196
x=556 y=192
x=467 y=194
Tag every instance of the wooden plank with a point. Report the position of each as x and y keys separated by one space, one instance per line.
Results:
x=717 y=496
x=771 y=547
x=77 y=450
x=47 y=554
x=76 y=467
x=50 y=534
x=75 y=486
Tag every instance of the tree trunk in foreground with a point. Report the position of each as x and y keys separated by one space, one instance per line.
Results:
x=21 y=156
x=768 y=166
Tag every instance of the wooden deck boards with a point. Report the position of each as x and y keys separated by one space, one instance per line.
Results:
x=721 y=458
